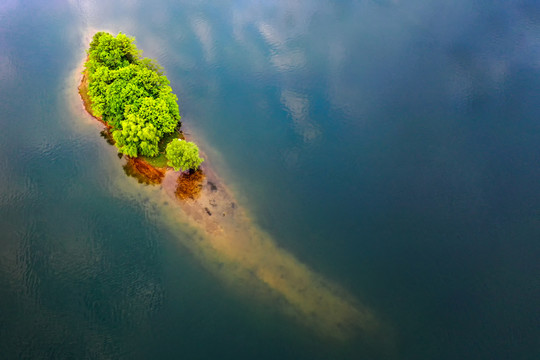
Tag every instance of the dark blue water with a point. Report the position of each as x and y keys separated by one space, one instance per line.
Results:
x=391 y=146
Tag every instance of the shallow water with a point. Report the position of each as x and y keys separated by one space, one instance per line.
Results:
x=391 y=147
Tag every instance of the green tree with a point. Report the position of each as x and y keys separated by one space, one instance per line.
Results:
x=183 y=155
x=156 y=111
x=120 y=94
x=137 y=137
x=113 y=52
x=171 y=100
x=97 y=89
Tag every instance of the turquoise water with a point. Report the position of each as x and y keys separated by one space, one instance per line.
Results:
x=391 y=146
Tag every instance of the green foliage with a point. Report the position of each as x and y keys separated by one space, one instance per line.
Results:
x=113 y=52
x=131 y=94
x=156 y=111
x=137 y=137
x=183 y=155
x=97 y=89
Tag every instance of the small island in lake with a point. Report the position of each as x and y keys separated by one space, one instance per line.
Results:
x=133 y=99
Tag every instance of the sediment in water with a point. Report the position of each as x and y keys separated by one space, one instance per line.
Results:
x=232 y=246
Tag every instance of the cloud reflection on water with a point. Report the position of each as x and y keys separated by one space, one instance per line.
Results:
x=298 y=107
x=203 y=30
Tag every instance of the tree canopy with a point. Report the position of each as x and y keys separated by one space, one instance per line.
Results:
x=183 y=155
x=131 y=94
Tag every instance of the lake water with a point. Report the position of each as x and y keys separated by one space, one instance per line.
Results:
x=393 y=147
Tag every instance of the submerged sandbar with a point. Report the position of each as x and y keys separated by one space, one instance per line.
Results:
x=232 y=246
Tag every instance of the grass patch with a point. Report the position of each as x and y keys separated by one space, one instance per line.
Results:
x=159 y=161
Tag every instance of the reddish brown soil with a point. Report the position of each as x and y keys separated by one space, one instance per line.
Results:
x=143 y=172
x=190 y=185
x=83 y=91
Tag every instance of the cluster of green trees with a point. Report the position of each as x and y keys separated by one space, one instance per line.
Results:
x=133 y=96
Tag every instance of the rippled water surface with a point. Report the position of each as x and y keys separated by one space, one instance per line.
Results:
x=392 y=147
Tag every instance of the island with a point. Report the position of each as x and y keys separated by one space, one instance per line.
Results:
x=132 y=97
